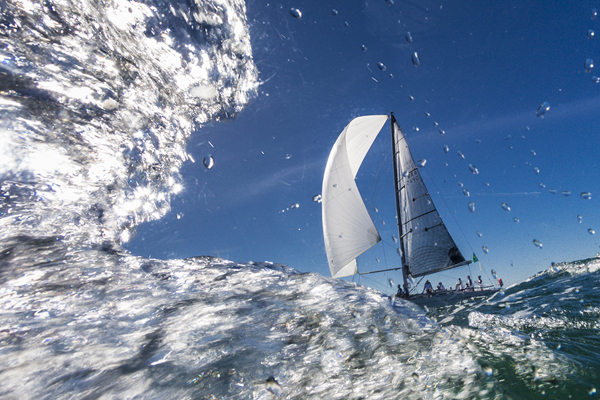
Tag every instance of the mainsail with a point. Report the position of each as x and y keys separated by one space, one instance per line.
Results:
x=426 y=243
x=347 y=225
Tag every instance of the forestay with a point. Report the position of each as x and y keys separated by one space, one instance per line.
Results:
x=427 y=245
x=347 y=225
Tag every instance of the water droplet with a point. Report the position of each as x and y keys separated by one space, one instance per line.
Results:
x=533 y=152
x=473 y=169
x=479 y=234
x=381 y=66
x=536 y=170
x=542 y=185
x=466 y=192
x=552 y=191
x=405 y=174
x=390 y=2
x=542 y=109
x=460 y=154
x=446 y=149
x=580 y=218
x=295 y=205
x=294 y=12
x=416 y=128
x=317 y=198
x=399 y=251
x=566 y=193
x=591 y=34
x=421 y=163
x=415 y=59
x=472 y=207
x=391 y=76
x=375 y=209
x=537 y=243
x=488 y=370
x=208 y=161
x=485 y=249
x=435 y=123
x=395 y=239
x=382 y=222
x=460 y=184
x=363 y=47
x=377 y=259
x=411 y=98
x=335 y=185
x=411 y=280
x=591 y=231
x=334 y=11
x=442 y=132
x=516 y=220
x=408 y=37
x=595 y=79
x=594 y=13
x=427 y=114
x=589 y=65
x=272 y=386
x=505 y=207
x=346 y=24
x=373 y=329
x=494 y=274
x=288 y=156
x=592 y=391
x=390 y=281
x=586 y=195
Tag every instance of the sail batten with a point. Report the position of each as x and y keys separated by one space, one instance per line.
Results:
x=347 y=226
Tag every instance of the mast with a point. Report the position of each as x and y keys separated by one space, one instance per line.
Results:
x=397 y=190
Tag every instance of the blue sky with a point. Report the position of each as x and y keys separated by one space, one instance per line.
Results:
x=485 y=69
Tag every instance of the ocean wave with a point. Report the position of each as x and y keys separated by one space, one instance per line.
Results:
x=96 y=105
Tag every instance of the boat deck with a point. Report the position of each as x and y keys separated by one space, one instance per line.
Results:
x=440 y=298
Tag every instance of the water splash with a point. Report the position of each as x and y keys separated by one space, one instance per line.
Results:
x=129 y=84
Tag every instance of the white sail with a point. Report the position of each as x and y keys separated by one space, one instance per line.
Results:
x=427 y=245
x=347 y=227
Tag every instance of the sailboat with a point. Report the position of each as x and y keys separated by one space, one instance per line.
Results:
x=426 y=246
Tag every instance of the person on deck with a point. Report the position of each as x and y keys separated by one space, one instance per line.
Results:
x=479 y=282
x=400 y=292
x=459 y=285
x=440 y=286
x=428 y=288
x=469 y=283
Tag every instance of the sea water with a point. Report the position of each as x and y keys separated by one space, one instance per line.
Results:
x=97 y=101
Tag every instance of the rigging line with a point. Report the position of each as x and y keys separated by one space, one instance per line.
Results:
x=372 y=282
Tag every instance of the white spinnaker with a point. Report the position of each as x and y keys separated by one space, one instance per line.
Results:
x=347 y=226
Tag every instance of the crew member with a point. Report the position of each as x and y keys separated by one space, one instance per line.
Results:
x=428 y=288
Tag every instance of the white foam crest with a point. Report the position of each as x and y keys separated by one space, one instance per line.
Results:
x=96 y=114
